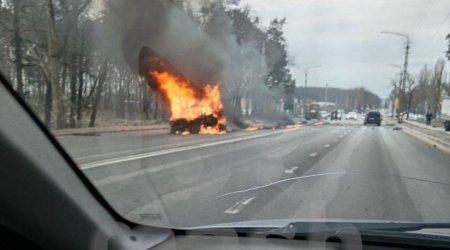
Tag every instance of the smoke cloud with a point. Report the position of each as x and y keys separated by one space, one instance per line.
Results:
x=207 y=55
x=169 y=31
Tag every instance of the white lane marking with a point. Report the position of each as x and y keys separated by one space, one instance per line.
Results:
x=175 y=150
x=314 y=154
x=111 y=153
x=291 y=170
x=237 y=208
x=326 y=145
x=280 y=181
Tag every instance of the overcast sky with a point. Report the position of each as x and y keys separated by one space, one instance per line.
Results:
x=344 y=37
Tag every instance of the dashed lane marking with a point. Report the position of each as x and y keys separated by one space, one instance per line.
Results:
x=291 y=170
x=237 y=208
x=314 y=154
x=175 y=150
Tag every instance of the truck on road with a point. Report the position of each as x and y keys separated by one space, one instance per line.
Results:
x=445 y=112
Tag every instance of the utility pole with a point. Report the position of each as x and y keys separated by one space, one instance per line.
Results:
x=326 y=88
x=306 y=86
x=404 y=75
x=304 y=92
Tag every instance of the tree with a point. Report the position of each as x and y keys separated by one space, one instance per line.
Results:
x=50 y=50
x=276 y=55
x=252 y=66
x=54 y=54
x=447 y=53
x=103 y=71
x=410 y=89
x=17 y=41
x=244 y=40
x=436 y=88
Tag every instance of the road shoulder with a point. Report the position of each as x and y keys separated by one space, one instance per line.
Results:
x=432 y=137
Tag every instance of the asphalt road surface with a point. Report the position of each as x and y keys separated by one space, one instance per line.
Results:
x=342 y=170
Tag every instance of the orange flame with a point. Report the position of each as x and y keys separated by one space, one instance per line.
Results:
x=251 y=129
x=294 y=126
x=185 y=103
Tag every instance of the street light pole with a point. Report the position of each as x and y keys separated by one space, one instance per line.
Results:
x=404 y=74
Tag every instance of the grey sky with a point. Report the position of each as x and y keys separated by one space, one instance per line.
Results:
x=343 y=36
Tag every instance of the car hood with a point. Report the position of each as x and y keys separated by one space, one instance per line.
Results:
x=283 y=222
x=314 y=225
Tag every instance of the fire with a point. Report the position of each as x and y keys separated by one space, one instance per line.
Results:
x=294 y=126
x=210 y=131
x=251 y=129
x=190 y=105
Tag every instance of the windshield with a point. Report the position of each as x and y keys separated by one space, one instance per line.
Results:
x=193 y=113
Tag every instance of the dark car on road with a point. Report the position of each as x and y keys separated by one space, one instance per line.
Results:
x=373 y=117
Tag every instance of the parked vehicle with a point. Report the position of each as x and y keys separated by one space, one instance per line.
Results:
x=445 y=112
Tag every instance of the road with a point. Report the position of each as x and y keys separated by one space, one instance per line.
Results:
x=341 y=170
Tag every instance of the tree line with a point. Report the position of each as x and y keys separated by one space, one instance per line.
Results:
x=50 y=54
x=355 y=99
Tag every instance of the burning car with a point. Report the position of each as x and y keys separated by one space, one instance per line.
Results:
x=193 y=109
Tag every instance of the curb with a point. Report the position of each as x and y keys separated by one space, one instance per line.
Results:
x=420 y=125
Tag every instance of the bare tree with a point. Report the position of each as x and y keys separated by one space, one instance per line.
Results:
x=54 y=52
x=17 y=41
x=98 y=92
x=410 y=89
x=436 y=89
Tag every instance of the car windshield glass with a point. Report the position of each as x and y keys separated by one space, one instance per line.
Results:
x=193 y=113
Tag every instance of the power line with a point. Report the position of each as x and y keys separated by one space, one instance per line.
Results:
x=426 y=14
x=422 y=53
